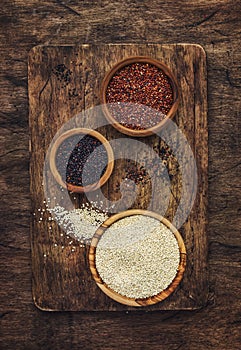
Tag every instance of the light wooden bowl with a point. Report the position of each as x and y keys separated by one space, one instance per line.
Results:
x=123 y=299
x=55 y=172
x=109 y=76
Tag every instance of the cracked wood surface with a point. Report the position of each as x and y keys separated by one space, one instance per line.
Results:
x=216 y=26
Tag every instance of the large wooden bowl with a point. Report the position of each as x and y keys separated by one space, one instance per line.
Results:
x=111 y=118
x=55 y=172
x=123 y=299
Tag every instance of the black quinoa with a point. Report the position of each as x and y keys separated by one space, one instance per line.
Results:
x=81 y=157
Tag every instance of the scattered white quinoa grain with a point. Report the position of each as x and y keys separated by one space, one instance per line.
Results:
x=137 y=256
x=79 y=223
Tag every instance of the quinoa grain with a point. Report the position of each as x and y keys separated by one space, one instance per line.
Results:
x=137 y=256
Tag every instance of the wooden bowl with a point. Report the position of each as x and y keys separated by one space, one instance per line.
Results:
x=55 y=172
x=123 y=299
x=111 y=118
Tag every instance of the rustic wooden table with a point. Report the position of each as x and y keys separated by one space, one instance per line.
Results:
x=216 y=25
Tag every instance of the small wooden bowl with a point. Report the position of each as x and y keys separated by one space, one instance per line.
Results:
x=123 y=129
x=55 y=172
x=123 y=299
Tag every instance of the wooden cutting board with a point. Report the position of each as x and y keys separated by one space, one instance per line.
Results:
x=65 y=80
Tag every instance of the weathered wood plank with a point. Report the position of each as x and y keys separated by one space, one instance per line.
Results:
x=59 y=284
x=26 y=24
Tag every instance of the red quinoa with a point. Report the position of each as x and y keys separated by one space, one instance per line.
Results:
x=136 y=87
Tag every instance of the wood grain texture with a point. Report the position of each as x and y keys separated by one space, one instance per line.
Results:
x=54 y=278
x=216 y=26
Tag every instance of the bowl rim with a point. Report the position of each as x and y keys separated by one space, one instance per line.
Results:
x=55 y=172
x=125 y=62
x=136 y=301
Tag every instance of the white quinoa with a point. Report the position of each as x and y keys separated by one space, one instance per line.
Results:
x=137 y=256
x=79 y=223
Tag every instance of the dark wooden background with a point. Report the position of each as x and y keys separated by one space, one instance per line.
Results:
x=216 y=25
